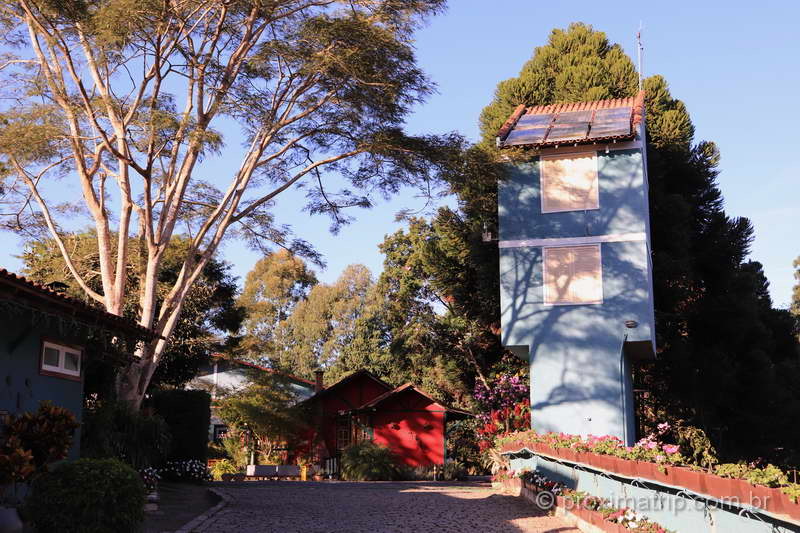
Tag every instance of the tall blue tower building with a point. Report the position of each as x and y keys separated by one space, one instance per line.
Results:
x=575 y=267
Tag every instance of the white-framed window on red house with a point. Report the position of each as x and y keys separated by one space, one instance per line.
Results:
x=60 y=360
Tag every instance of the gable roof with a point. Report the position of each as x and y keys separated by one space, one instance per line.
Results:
x=263 y=369
x=573 y=123
x=409 y=387
x=20 y=289
x=347 y=379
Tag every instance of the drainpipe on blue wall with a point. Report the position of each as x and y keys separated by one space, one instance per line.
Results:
x=622 y=391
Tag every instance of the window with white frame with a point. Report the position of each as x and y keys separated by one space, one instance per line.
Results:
x=59 y=359
x=569 y=182
x=573 y=275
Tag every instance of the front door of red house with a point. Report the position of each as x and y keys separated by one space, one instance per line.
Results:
x=344 y=433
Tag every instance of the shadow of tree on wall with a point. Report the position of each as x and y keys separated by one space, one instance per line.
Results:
x=578 y=346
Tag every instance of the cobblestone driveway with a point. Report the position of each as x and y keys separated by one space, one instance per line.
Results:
x=375 y=507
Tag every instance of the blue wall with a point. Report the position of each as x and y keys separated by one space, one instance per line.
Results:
x=580 y=381
x=21 y=385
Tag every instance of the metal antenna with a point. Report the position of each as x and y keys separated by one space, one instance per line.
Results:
x=640 y=49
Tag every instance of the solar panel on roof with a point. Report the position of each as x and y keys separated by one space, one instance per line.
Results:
x=570 y=126
x=568 y=131
x=525 y=136
x=534 y=121
x=611 y=123
x=574 y=116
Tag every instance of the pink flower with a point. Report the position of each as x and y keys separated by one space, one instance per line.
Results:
x=671 y=448
x=651 y=445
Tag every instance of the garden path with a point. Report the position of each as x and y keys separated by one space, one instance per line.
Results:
x=375 y=507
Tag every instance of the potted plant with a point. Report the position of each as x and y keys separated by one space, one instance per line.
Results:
x=690 y=479
x=789 y=497
x=735 y=473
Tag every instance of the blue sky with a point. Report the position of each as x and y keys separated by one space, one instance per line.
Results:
x=737 y=68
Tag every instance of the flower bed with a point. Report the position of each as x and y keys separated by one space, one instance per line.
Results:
x=766 y=488
x=591 y=509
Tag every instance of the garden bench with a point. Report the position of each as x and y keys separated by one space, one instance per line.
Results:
x=273 y=471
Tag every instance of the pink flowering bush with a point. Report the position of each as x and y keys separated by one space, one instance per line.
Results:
x=504 y=392
x=649 y=449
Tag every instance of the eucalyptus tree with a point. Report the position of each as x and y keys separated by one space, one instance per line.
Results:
x=125 y=105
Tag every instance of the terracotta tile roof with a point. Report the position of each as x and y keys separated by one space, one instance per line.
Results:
x=263 y=368
x=351 y=377
x=19 y=287
x=568 y=115
x=409 y=386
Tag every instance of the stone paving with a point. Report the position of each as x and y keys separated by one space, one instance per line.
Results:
x=375 y=508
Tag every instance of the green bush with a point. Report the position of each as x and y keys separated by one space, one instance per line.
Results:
x=367 y=461
x=87 y=496
x=451 y=471
x=225 y=466
x=188 y=415
x=114 y=430
x=454 y=471
x=46 y=433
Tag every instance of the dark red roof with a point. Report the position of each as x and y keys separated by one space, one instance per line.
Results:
x=408 y=386
x=18 y=287
x=263 y=368
x=348 y=379
x=635 y=103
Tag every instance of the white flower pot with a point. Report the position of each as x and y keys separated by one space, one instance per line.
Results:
x=9 y=520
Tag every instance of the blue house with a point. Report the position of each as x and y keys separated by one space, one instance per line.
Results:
x=46 y=339
x=575 y=268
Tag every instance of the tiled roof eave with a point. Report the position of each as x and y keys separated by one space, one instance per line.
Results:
x=580 y=142
x=21 y=287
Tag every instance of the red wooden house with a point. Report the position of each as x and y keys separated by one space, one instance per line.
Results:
x=363 y=407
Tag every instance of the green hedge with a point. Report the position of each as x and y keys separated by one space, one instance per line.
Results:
x=87 y=496
x=188 y=415
x=114 y=430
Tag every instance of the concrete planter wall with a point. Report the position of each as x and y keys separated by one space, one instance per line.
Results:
x=684 y=500
x=771 y=500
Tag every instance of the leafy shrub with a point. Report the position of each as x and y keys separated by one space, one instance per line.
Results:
x=731 y=470
x=411 y=473
x=193 y=471
x=451 y=471
x=769 y=476
x=793 y=491
x=87 y=496
x=696 y=446
x=225 y=466
x=366 y=461
x=47 y=433
x=188 y=415
x=231 y=448
x=114 y=430
x=454 y=471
